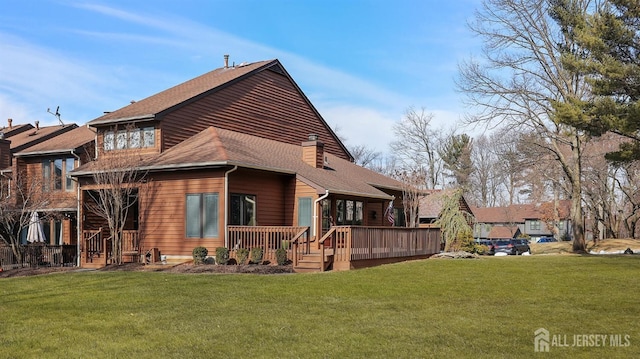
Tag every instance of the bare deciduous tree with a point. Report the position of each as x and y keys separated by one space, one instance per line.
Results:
x=117 y=178
x=364 y=156
x=20 y=197
x=519 y=80
x=412 y=189
x=416 y=145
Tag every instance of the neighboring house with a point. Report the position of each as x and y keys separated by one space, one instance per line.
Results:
x=533 y=220
x=50 y=163
x=431 y=206
x=40 y=158
x=233 y=157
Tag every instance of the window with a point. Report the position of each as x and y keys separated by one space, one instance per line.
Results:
x=46 y=175
x=55 y=174
x=149 y=136
x=400 y=221
x=349 y=212
x=121 y=140
x=108 y=140
x=69 y=165
x=130 y=138
x=326 y=215
x=534 y=225
x=202 y=215
x=305 y=212
x=134 y=139
x=57 y=179
x=243 y=210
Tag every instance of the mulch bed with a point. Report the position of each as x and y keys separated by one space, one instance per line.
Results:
x=180 y=268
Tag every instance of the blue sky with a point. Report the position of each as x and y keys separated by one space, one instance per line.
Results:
x=361 y=63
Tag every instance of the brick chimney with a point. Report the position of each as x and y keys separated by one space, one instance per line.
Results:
x=10 y=123
x=313 y=152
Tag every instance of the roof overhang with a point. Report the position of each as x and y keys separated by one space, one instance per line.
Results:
x=44 y=153
x=195 y=166
x=113 y=121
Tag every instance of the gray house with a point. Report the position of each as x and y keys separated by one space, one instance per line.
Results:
x=550 y=219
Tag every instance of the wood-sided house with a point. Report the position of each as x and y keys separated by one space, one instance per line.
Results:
x=49 y=163
x=40 y=159
x=239 y=157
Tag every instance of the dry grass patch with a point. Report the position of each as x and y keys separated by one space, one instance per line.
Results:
x=607 y=245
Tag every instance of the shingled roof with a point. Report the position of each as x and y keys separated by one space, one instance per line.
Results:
x=503 y=232
x=63 y=143
x=519 y=213
x=36 y=135
x=215 y=147
x=187 y=91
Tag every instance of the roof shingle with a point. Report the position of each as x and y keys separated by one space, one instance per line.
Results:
x=218 y=147
x=179 y=94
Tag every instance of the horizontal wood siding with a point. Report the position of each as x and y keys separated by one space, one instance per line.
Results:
x=266 y=105
x=163 y=207
x=32 y=168
x=269 y=189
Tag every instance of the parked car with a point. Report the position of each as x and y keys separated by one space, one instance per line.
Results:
x=521 y=245
x=504 y=246
x=546 y=240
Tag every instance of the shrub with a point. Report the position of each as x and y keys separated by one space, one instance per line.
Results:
x=199 y=255
x=210 y=260
x=281 y=256
x=222 y=255
x=242 y=254
x=256 y=255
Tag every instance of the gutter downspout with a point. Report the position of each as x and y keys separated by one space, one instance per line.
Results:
x=78 y=229
x=226 y=205
x=315 y=212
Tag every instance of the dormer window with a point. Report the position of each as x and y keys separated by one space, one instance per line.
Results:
x=130 y=138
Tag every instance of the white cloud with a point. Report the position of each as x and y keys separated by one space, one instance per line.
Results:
x=360 y=125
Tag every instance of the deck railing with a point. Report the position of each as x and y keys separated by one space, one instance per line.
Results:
x=353 y=243
x=269 y=238
x=130 y=243
x=94 y=244
x=98 y=246
x=38 y=255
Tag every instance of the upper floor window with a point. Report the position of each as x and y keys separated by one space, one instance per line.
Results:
x=534 y=225
x=56 y=174
x=133 y=137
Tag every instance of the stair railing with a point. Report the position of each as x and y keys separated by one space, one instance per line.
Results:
x=306 y=245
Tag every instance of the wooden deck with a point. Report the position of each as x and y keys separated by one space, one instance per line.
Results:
x=341 y=248
x=357 y=247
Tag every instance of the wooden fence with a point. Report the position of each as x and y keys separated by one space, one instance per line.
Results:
x=39 y=255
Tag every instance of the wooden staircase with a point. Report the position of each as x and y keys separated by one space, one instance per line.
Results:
x=312 y=262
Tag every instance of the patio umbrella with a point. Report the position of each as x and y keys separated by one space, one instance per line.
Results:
x=34 y=231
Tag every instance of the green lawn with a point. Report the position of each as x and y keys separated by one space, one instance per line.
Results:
x=434 y=308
